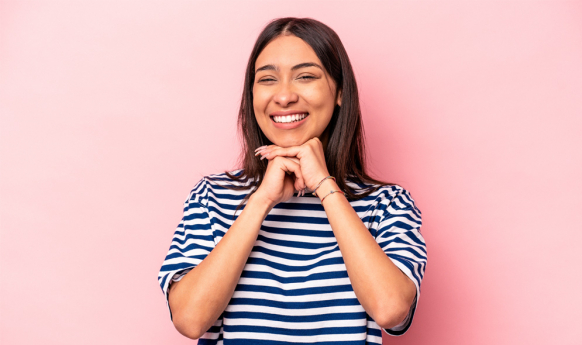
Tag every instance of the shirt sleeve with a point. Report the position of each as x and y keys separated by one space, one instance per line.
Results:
x=399 y=237
x=193 y=240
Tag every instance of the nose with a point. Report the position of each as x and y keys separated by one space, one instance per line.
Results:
x=285 y=95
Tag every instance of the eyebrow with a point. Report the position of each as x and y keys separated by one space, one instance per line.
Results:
x=301 y=65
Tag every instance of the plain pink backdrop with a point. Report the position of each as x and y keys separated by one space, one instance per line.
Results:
x=111 y=111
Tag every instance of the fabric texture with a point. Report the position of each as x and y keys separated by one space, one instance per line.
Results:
x=294 y=287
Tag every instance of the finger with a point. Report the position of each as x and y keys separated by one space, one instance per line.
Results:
x=297 y=186
x=296 y=183
x=261 y=148
x=289 y=165
x=294 y=160
x=258 y=150
x=270 y=153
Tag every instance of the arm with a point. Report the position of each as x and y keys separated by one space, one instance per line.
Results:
x=198 y=299
x=384 y=291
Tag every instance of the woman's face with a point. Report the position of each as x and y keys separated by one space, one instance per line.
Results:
x=293 y=96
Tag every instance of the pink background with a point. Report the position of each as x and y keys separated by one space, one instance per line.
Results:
x=111 y=111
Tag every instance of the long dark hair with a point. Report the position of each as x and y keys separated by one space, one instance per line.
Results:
x=345 y=151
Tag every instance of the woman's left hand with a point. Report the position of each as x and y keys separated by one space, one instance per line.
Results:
x=311 y=159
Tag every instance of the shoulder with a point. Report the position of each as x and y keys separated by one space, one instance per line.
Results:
x=385 y=196
x=383 y=193
x=394 y=206
x=223 y=178
x=219 y=185
x=395 y=194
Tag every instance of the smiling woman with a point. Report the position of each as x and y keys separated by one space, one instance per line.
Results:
x=293 y=96
x=320 y=252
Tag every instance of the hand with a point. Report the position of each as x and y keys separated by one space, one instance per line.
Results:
x=311 y=160
x=278 y=183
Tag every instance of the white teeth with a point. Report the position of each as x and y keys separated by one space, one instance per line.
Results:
x=289 y=118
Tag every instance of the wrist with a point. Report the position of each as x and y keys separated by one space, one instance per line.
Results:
x=263 y=204
x=319 y=181
x=325 y=187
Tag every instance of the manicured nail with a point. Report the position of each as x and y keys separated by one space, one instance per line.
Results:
x=260 y=148
x=261 y=151
x=263 y=157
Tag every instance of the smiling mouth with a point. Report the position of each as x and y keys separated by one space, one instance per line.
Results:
x=289 y=118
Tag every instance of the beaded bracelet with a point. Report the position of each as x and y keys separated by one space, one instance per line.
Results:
x=331 y=192
x=320 y=182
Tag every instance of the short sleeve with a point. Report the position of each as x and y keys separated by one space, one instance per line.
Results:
x=193 y=240
x=399 y=237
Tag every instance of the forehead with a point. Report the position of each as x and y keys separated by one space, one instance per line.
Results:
x=285 y=52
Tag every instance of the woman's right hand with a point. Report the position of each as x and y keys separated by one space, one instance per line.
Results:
x=282 y=179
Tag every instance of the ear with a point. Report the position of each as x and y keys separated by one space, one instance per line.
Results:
x=339 y=98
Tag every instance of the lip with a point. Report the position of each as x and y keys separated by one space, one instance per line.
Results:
x=288 y=125
x=287 y=112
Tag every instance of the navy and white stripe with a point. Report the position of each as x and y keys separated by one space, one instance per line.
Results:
x=294 y=287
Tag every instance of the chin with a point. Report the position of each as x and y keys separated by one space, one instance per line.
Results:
x=289 y=142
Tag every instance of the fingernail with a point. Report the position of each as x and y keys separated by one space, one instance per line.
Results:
x=260 y=148
x=263 y=157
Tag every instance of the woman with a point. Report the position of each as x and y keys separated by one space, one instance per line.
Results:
x=295 y=267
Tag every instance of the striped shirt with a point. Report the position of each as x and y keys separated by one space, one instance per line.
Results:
x=294 y=287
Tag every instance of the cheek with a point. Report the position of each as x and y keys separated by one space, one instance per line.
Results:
x=260 y=100
x=313 y=96
x=319 y=96
x=259 y=107
x=323 y=101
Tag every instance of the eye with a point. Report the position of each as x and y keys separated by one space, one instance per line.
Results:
x=266 y=80
x=306 y=77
